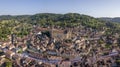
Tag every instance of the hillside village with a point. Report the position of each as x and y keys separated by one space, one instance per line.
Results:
x=62 y=47
x=43 y=40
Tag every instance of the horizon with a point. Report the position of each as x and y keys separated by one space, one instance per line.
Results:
x=54 y=13
x=102 y=8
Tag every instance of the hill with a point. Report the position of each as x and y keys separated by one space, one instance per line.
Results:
x=116 y=19
x=21 y=25
x=46 y=19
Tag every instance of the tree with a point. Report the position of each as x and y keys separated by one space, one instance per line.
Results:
x=8 y=64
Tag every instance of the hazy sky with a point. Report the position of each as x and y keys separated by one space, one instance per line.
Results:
x=96 y=8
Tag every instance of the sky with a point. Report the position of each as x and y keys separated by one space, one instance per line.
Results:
x=95 y=8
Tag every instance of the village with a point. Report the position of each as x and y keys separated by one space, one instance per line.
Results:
x=62 y=47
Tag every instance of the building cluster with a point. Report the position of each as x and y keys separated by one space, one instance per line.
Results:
x=62 y=47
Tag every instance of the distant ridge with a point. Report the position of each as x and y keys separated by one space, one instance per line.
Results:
x=116 y=19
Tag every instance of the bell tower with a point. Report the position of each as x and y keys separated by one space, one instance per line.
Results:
x=12 y=38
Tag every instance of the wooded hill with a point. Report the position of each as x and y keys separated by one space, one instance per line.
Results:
x=116 y=19
x=22 y=24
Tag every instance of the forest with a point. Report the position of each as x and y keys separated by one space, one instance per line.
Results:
x=21 y=25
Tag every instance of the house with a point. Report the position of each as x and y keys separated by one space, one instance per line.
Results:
x=2 y=60
x=5 y=44
x=9 y=54
x=2 y=54
x=16 y=50
x=64 y=64
x=23 y=46
x=27 y=61
x=11 y=46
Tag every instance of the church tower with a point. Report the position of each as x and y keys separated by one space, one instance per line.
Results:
x=12 y=38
